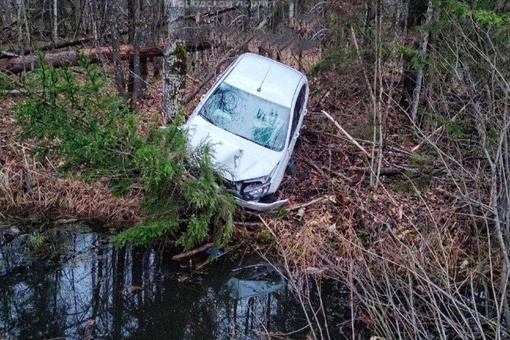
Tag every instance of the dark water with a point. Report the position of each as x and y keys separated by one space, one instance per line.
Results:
x=77 y=286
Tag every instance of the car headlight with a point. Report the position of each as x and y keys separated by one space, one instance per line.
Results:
x=256 y=190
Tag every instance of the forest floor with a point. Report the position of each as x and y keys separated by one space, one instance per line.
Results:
x=332 y=193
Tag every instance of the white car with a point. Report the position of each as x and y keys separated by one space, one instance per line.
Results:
x=251 y=117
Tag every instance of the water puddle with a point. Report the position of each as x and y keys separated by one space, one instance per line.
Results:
x=78 y=286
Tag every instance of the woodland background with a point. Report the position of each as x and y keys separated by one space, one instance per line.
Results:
x=402 y=186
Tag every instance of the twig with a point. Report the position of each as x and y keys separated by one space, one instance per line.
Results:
x=349 y=137
x=415 y=148
x=365 y=74
x=192 y=252
x=316 y=200
x=206 y=262
x=193 y=79
x=248 y=267
x=268 y=227
x=375 y=160
x=384 y=171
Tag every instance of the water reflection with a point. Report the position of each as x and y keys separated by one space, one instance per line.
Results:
x=85 y=288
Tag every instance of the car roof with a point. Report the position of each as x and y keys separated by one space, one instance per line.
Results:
x=276 y=81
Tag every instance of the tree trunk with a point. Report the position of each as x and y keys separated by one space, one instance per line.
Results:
x=115 y=38
x=174 y=62
x=55 y=22
x=157 y=11
x=416 y=13
x=22 y=17
x=402 y=15
x=292 y=12
x=135 y=78
x=419 y=74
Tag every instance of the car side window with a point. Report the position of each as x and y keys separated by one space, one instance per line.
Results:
x=298 y=110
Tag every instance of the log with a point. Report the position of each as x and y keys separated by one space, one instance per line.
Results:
x=88 y=39
x=28 y=63
x=199 y=16
x=47 y=47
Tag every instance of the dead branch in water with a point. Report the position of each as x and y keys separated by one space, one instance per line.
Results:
x=192 y=252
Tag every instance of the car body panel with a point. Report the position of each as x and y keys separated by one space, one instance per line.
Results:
x=252 y=136
x=260 y=206
x=237 y=158
x=254 y=72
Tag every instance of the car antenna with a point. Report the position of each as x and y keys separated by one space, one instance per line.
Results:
x=263 y=80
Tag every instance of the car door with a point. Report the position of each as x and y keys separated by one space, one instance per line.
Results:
x=298 y=113
x=297 y=117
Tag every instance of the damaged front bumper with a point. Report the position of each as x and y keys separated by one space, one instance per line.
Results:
x=260 y=206
x=265 y=203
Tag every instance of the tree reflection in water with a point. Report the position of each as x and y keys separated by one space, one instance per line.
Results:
x=84 y=288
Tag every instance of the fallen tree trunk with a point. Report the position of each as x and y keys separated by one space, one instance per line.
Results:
x=52 y=46
x=28 y=63
x=89 y=39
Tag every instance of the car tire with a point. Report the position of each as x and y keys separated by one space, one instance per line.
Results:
x=291 y=167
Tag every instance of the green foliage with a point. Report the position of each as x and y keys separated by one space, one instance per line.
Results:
x=433 y=119
x=482 y=14
x=491 y=18
x=73 y=115
x=455 y=130
x=414 y=185
x=417 y=160
x=492 y=135
x=207 y=204
x=418 y=58
x=77 y=118
x=37 y=241
x=144 y=234
x=5 y=83
x=468 y=70
x=335 y=57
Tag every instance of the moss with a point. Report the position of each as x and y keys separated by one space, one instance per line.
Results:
x=180 y=55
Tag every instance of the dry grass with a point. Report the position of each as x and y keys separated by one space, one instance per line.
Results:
x=419 y=260
x=26 y=191
x=30 y=188
x=411 y=274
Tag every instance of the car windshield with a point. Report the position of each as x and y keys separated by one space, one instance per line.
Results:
x=247 y=116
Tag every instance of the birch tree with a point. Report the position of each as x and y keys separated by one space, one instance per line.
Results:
x=174 y=61
x=55 y=19
x=114 y=37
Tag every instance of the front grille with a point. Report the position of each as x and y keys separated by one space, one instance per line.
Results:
x=232 y=186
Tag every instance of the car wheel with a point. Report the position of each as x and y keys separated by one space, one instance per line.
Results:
x=291 y=167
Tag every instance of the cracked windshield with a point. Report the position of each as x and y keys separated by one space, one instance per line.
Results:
x=247 y=116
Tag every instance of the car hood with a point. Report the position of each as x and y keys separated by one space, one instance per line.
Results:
x=237 y=158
